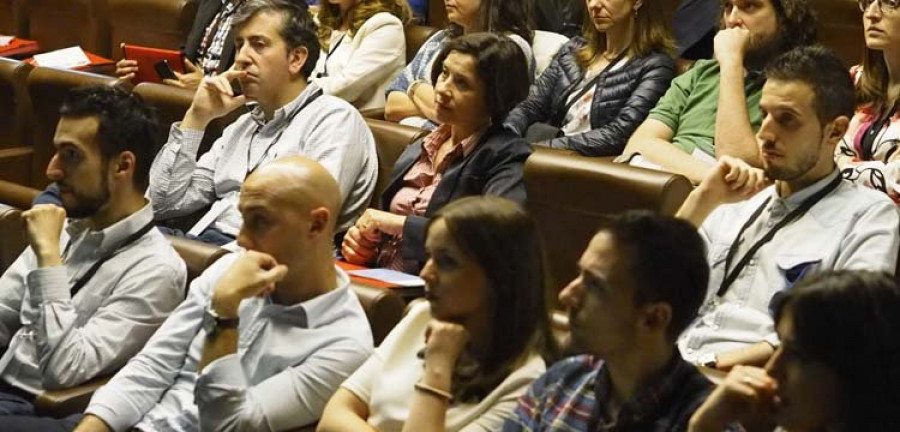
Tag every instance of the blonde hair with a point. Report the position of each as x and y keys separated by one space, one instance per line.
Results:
x=652 y=32
x=330 y=16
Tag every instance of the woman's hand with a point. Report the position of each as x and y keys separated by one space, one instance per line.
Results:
x=377 y=221
x=444 y=343
x=190 y=79
x=126 y=69
x=746 y=395
x=359 y=247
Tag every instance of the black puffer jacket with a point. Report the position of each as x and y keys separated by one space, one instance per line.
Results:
x=622 y=100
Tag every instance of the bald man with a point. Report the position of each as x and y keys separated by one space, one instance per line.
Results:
x=265 y=336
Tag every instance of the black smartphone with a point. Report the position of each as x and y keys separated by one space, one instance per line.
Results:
x=236 y=87
x=164 y=70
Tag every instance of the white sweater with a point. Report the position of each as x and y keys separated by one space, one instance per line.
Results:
x=360 y=67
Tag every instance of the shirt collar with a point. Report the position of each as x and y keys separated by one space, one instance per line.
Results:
x=286 y=112
x=111 y=237
x=315 y=311
x=648 y=400
x=440 y=135
x=795 y=199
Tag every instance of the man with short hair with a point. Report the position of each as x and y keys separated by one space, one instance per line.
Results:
x=277 y=48
x=763 y=241
x=90 y=290
x=626 y=317
x=265 y=336
x=687 y=131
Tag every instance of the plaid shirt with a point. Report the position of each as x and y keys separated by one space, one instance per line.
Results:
x=210 y=52
x=571 y=396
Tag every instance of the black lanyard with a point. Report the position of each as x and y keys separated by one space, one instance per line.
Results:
x=80 y=283
x=288 y=122
x=324 y=72
x=792 y=216
x=593 y=82
x=867 y=144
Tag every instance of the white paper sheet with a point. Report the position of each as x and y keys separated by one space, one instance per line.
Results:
x=6 y=40
x=390 y=276
x=66 y=58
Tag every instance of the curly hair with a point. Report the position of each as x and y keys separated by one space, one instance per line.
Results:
x=330 y=16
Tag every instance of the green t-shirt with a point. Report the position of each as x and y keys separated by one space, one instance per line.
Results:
x=689 y=106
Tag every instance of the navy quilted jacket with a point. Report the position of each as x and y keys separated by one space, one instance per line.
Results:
x=622 y=100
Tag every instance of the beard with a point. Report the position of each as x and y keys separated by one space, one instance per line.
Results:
x=795 y=170
x=762 y=50
x=83 y=205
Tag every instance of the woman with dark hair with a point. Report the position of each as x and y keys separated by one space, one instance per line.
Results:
x=460 y=360
x=602 y=85
x=837 y=367
x=410 y=98
x=363 y=49
x=868 y=153
x=469 y=154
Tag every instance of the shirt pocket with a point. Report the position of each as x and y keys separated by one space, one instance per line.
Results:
x=793 y=268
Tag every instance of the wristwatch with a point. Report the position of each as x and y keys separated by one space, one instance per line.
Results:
x=709 y=360
x=212 y=322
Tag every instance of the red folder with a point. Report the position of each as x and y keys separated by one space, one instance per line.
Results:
x=19 y=48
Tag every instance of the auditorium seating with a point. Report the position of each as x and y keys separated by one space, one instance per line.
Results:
x=47 y=89
x=153 y=23
x=572 y=196
x=416 y=35
x=12 y=238
x=15 y=122
x=63 y=23
x=841 y=29
x=12 y=20
x=390 y=141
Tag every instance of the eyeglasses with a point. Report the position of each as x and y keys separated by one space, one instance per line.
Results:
x=884 y=6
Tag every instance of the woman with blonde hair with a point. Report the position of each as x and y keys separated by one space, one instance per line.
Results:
x=602 y=85
x=363 y=49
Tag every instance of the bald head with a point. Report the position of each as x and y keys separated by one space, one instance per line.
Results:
x=295 y=182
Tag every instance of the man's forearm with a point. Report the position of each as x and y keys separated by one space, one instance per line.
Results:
x=670 y=158
x=734 y=136
x=92 y=423
x=752 y=355
x=695 y=208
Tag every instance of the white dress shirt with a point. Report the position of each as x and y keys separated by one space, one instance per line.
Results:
x=289 y=362
x=56 y=340
x=851 y=228
x=328 y=130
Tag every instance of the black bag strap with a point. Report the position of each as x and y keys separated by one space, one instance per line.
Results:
x=804 y=207
x=80 y=283
x=592 y=83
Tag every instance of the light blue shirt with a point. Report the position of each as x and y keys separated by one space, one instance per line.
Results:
x=851 y=228
x=289 y=362
x=57 y=340
x=328 y=130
